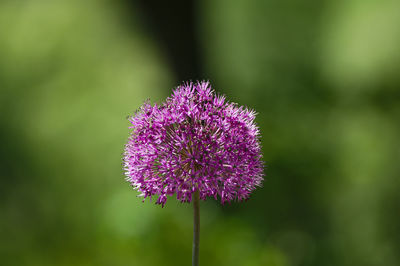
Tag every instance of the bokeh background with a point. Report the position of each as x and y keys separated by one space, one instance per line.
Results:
x=324 y=77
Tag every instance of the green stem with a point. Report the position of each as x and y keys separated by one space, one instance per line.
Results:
x=196 y=228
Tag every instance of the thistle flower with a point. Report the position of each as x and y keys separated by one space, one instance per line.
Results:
x=195 y=141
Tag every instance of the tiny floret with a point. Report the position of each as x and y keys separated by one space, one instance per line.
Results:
x=194 y=141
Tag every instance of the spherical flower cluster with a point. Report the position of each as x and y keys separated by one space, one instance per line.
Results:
x=194 y=141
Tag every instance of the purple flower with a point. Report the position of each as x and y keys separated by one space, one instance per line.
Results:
x=194 y=141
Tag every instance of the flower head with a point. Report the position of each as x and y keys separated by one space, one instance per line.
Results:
x=194 y=141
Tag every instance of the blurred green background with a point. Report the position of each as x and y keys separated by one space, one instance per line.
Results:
x=324 y=77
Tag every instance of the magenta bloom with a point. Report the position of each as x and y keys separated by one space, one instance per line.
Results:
x=194 y=141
